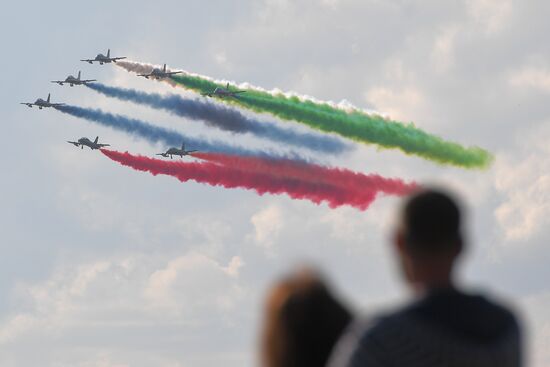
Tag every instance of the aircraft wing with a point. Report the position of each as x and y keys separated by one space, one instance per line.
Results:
x=75 y=143
x=117 y=58
x=192 y=151
x=206 y=94
x=239 y=91
x=28 y=104
x=57 y=104
x=58 y=81
x=162 y=154
x=88 y=60
x=145 y=75
x=104 y=145
x=88 y=81
x=174 y=72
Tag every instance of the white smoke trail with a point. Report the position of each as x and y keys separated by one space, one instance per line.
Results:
x=144 y=68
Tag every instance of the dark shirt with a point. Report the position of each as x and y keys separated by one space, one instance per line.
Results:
x=445 y=328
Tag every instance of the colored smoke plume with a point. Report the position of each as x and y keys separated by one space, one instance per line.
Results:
x=262 y=182
x=225 y=118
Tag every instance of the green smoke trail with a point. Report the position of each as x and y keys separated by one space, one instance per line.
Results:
x=356 y=125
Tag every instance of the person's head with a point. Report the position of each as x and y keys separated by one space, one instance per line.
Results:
x=429 y=238
x=302 y=322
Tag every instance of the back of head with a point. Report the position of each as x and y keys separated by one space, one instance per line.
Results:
x=429 y=239
x=303 y=322
x=431 y=222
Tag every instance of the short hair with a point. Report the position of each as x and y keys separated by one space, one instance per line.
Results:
x=431 y=221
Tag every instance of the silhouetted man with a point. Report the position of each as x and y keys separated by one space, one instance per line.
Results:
x=444 y=326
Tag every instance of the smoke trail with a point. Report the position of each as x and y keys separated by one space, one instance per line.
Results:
x=347 y=179
x=229 y=177
x=353 y=123
x=142 y=68
x=224 y=118
x=156 y=134
x=356 y=125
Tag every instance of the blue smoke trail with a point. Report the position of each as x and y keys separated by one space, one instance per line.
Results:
x=225 y=118
x=156 y=134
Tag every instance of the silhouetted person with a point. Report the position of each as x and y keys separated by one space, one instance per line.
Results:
x=302 y=323
x=443 y=326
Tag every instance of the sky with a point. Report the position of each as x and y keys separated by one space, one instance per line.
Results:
x=105 y=266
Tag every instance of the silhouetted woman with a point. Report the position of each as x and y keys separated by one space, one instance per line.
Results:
x=303 y=321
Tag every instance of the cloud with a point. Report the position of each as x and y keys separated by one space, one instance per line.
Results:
x=268 y=223
x=442 y=55
x=524 y=183
x=121 y=292
x=491 y=15
x=398 y=103
x=531 y=77
x=193 y=282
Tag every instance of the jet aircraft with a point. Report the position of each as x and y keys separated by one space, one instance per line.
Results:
x=71 y=80
x=102 y=59
x=157 y=73
x=177 y=152
x=40 y=103
x=87 y=142
x=224 y=92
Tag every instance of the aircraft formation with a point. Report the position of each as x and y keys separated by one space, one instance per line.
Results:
x=156 y=73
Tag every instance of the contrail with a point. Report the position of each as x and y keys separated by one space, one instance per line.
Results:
x=225 y=118
x=168 y=137
x=346 y=120
x=230 y=177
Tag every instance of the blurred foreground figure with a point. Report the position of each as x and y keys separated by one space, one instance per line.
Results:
x=443 y=326
x=302 y=322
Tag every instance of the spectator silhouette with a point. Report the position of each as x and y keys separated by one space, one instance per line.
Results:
x=303 y=321
x=444 y=326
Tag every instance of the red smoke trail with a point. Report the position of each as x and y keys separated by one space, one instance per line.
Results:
x=347 y=179
x=262 y=182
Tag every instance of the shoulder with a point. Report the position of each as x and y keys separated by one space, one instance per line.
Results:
x=365 y=341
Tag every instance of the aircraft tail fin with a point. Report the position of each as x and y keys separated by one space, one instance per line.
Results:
x=96 y=139
x=108 y=53
x=164 y=68
x=227 y=86
x=79 y=75
x=183 y=146
x=48 y=100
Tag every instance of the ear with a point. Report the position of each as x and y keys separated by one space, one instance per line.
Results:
x=399 y=241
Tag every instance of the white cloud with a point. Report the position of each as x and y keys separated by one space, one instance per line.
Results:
x=491 y=15
x=524 y=181
x=194 y=282
x=136 y=290
x=531 y=77
x=267 y=223
x=398 y=103
x=443 y=49
x=526 y=210
x=234 y=266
